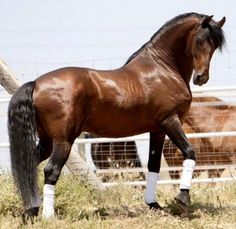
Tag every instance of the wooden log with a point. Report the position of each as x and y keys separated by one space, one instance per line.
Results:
x=78 y=166
x=8 y=79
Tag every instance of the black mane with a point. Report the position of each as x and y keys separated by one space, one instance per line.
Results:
x=212 y=33
x=215 y=34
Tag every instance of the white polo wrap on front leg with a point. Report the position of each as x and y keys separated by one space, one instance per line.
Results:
x=150 y=193
x=187 y=174
x=48 y=201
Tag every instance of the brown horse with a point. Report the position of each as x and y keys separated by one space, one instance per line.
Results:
x=150 y=93
x=209 y=151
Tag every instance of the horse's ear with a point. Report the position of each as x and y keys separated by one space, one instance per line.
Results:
x=221 y=22
x=206 y=21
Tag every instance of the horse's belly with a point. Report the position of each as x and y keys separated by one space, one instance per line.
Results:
x=118 y=126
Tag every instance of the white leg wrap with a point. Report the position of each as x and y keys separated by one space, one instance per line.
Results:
x=48 y=201
x=188 y=167
x=149 y=195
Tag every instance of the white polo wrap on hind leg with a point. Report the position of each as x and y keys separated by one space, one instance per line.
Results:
x=187 y=174
x=150 y=193
x=48 y=201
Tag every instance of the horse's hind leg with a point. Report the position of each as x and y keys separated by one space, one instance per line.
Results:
x=44 y=149
x=58 y=158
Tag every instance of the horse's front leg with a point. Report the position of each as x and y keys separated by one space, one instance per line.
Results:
x=154 y=163
x=172 y=127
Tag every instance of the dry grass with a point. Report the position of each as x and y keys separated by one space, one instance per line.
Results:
x=79 y=206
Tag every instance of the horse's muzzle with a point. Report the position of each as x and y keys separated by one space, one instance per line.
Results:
x=199 y=79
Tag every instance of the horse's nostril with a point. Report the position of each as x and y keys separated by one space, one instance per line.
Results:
x=198 y=78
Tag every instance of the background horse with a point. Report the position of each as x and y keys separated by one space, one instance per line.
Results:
x=150 y=93
x=209 y=151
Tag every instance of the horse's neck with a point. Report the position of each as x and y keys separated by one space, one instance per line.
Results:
x=171 y=47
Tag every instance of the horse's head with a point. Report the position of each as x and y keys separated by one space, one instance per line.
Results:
x=207 y=37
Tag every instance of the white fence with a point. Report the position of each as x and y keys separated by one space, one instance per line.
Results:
x=231 y=176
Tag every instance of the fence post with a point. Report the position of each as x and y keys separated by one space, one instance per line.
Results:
x=75 y=163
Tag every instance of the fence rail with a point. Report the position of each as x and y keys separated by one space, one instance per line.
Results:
x=144 y=137
x=171 y=182
x=165 y=169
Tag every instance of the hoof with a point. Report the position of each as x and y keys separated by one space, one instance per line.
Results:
x=183 y=201
x=29 y=215
x=155 y=206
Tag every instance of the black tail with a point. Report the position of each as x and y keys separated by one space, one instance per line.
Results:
x=22 y=137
